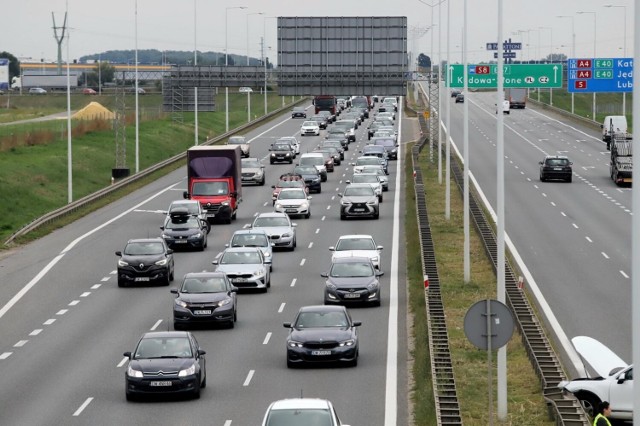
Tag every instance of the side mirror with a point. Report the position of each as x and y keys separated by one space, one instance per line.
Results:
x=309 y=197
x=234 y=289
x=340 y=195
x=185 y=195
x=348 y=182
x=332 y=248
x=169 y=251
x=201 y=352
x=162 y=228
x=173 y=291
x=214 y=262
x=356 y=323
x=324 y=274
x=379 y=247
x=286 y=325
x=118 y=253
x=267 y=261
x=127 y=354
x=379 y=273
x=540 y=162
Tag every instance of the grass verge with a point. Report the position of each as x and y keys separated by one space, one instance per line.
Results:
x=525 y=402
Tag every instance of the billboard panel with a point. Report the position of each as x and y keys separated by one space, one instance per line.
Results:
x=342 y=55
x=4 y=74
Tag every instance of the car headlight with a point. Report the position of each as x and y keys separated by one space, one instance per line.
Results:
x=316 y=180
x=226 y=203
x=161 y=262
x=287 y=235
x=267 y=254
x=304 y=205
x=294 y=344
x=259 y=273
x=349 y=342
x=278 y=206
x=224 y=302
x=373 y=286
x=122 y=263
x=331 y=286
x=181 y=303
x=165 y=236
x=131 y=372
x=345 y=202
x=273 y=154
x=188 y=372
x=372 y=203
x=288 y=154
x=198 y=235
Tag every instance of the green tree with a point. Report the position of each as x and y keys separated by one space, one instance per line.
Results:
x=14 y=64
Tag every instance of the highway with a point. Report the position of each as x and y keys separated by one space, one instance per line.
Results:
x=573 y=237
x=64 y=323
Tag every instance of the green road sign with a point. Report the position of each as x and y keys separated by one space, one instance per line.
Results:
x=515 y=76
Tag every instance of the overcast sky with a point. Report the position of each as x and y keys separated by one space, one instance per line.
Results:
x=99 y=26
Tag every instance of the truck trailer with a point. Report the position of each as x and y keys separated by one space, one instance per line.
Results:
x=214 y=179
x=621 y=164
x=517 y=98
x=44 y=81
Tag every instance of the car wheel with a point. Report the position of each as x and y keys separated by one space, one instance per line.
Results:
x=290 y=161
x=542 y=178
x=167 y=281
x=380 y=198
x=569 y=179
x=196 y=392
x=589 y=402
x=204 y=382
x=354 y=363
x=308 y=215
x=270 y=161
x=319 y=190
x=290 y=364
x=376 y=216
x=177 y=326
x=342 y=217
x=262 y=182
x=231 y=324
x=130 y=397
x=121 y=283
x=171 y=275
x=295 y=243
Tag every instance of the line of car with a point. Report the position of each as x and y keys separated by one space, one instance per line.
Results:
x=319 y=333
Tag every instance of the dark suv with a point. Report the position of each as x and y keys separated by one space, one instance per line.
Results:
x=556 y=167
x=145 y=260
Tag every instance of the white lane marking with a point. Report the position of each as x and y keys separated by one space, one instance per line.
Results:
x=49 y=321
x=122 y=362
x=249 y=377
x=20 y=344
x=553 y=204
x=227 y=423
x=266 y=338
x=293 y=282
x=563 y=214
x=589 y=239
x=323 y=217
x=85 y=294
x=83 y=406
x=311 y=244
x=95 y=286
x=281 y=308
x=329 y=206
x=318 y=231
x=544 y=195
x=105 y=279
x=575 y=226
x=624 y=275
x=35 y=332
x=605 y=255
x=68 y=248
x=5 y=355
x=333 y=197
x=62 y=311
x=302 y=262
x=74 y=302
x=156 y=325
x=265 y=204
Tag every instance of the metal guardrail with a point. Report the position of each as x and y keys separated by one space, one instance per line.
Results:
x=444 y=383
x=83 y=202
x=564 y=408
x=583 y=120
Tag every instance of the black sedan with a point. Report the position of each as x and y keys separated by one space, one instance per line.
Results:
x=205 y=297
x=556 y=167
x=145 y=260
x=311 y=177
x=322 y=334
x=281 y=153
x=299 y=112
x=352 y=280
x=184 y=230
x=166 y=362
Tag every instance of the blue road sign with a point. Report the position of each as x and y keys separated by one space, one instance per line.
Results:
x=506 y=55
x=600 y=75
x=507 y=45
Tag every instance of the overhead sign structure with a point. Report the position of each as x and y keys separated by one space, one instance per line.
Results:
x=515 y=76
x=600 y=75
x=507 y=45
x=509 y=55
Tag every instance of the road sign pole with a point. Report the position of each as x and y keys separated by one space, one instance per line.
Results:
x=466 y=249
x=447 y=173
x=635 y=228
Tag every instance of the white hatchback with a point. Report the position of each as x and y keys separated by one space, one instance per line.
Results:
x=357 y=245
x=293 y=201
x=310 y=128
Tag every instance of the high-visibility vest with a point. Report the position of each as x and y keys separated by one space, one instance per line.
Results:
x=599 y=416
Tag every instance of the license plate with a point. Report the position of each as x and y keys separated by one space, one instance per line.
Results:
x=239 y=280
x=202 y=312
x=358 y=210
x=557 y=168
x=352 y=296
x=211 y=215
x=180 y=241
x=162 y=383
x=291 y=210
x=320 y=353
x=142 y=279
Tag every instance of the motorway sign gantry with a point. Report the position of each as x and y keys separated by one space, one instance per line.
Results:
x=515 y=76
x=600 y=75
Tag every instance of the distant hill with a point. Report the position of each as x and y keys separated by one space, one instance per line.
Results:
x=152 y=56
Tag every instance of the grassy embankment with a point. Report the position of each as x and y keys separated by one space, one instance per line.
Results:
x=33 y=157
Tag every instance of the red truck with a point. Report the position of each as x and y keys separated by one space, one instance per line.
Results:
x=214 y=179
x=326 y=103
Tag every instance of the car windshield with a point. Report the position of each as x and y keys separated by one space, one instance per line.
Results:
x=183 y=222
x=249 y=240
x=557 y=162
x=306 y=170
x=373 y=169
x=240 y=258
x=163 y=347
x=236 y=140
x=312 y=161
x=355 y=244
x=292 y=195
x=290 y=184
x=360 y=178
x=281 y=147
x=367 y=161
x=288 y=139
x=385 y=142
x=310 y=123
x=298 y=109
x=210 y=188
x=358 y=191
x=271 y=221
x=254 y=164
x=140 y=249
x=296 y=417
x=204 y=285
x=321 y=319
x=351 y=270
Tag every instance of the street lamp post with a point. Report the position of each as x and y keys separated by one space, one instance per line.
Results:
x=624 y=49
x=226 y=59
x=195 y=64
x=249 y=93
x=550 y=57
x=594 y=55
x=573 y=50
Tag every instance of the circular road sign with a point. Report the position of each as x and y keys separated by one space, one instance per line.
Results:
x=501 y=324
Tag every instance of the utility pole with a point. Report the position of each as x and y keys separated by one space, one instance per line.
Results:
x=60 y=39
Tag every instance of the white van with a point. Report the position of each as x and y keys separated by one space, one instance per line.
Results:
x=613 y=123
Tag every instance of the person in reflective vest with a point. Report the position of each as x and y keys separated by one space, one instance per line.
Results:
x=604 y=410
